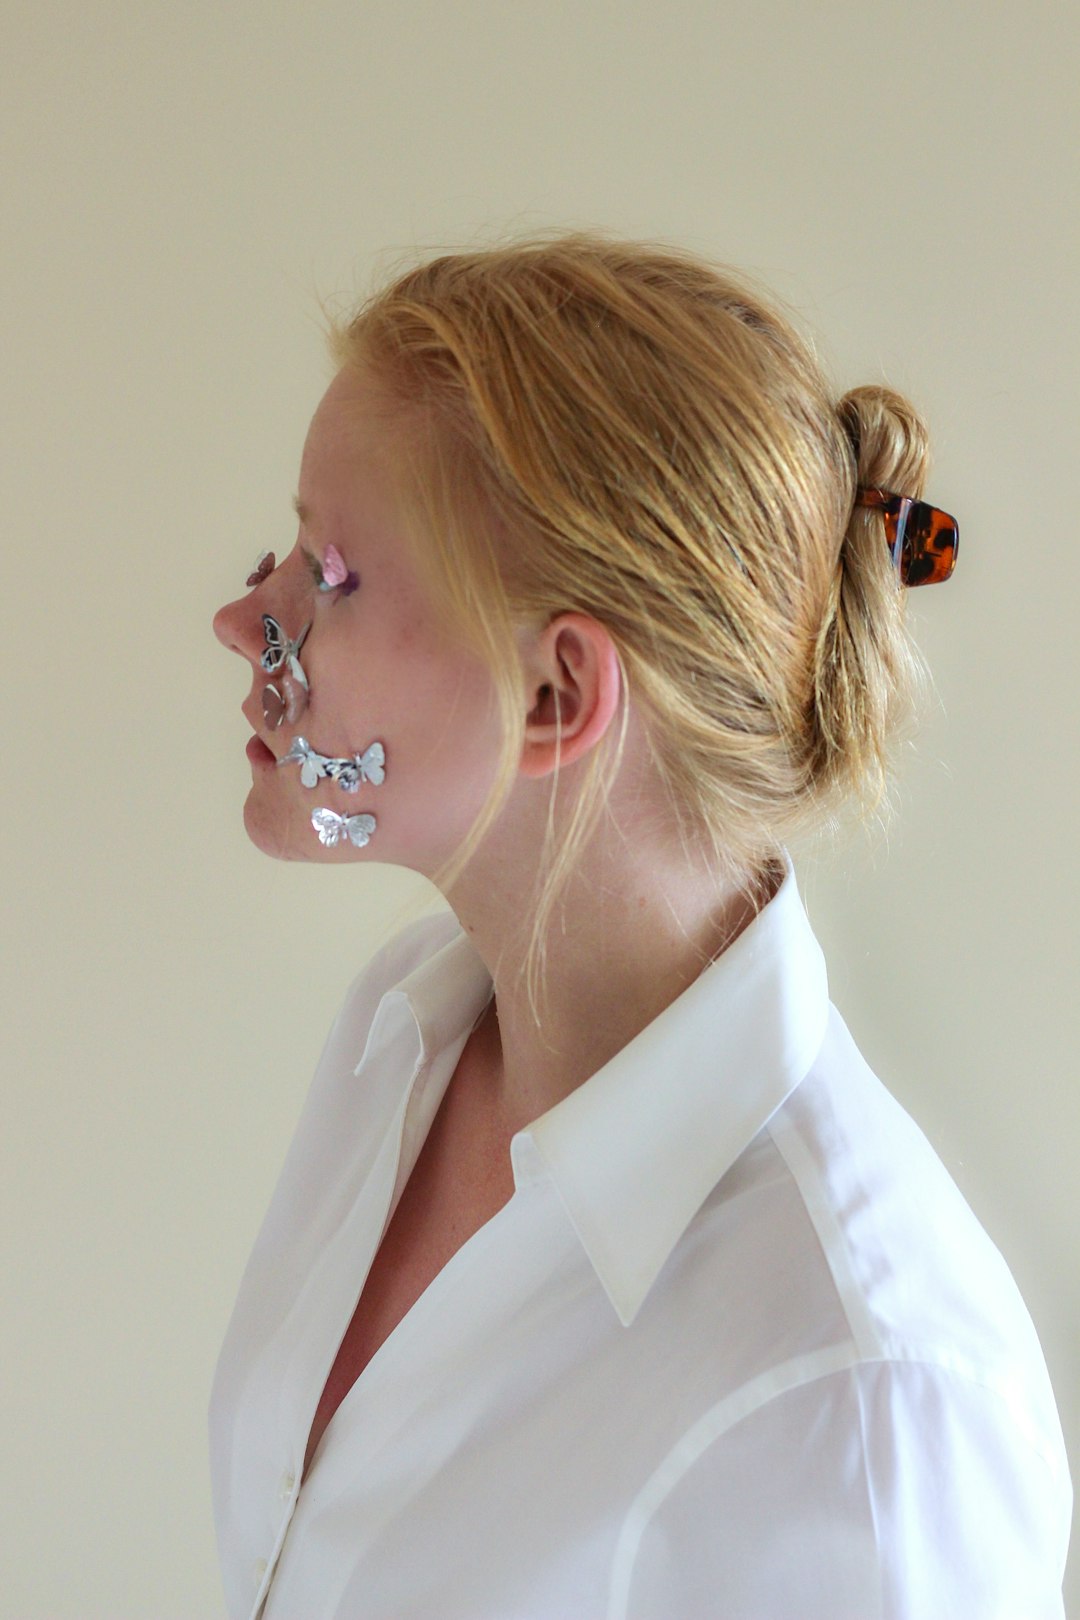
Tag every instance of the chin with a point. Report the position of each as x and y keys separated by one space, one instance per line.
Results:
x=272 y=834
x=285 y=833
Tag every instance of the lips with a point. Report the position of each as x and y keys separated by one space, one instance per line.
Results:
x=258 y=753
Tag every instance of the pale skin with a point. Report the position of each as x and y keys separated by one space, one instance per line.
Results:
x=638 y=922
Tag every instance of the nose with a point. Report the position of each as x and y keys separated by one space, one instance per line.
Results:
x=235 y=626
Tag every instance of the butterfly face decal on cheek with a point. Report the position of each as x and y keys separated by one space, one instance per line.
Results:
x=279 y=650
x=366 y=767
x=347 y=773
x=312 y=765
x=332 y=828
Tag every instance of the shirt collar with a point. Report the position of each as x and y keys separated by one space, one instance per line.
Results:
x=636 y=1149
x=447 y=992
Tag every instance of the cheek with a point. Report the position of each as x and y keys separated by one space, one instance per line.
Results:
x=432 y=712
x=446 y=708
x=447 y=745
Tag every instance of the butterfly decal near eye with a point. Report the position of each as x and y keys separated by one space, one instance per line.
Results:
x=280 y=650
x=366 y=767
x=312 y=765
x=336 y=575
x=332 y=828
x=333 y=573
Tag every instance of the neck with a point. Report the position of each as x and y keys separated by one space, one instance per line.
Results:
x=625 y=940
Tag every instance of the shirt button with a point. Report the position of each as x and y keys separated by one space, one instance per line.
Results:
x=258 y=1570
x=287 y=1482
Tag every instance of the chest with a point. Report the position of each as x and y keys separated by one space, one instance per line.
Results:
x=461 y=1179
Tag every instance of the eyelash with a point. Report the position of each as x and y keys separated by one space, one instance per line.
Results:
x=315 y=569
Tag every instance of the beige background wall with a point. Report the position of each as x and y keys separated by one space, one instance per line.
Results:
x=179 y=182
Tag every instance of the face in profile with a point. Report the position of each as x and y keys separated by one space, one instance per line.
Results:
x=398 y=726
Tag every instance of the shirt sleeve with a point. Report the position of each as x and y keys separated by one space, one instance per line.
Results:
x=892 y=1490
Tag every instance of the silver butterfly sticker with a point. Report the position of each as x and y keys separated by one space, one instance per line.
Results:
x=332 y=828
x=280 y=650
x=312 y=764
x=366 y=767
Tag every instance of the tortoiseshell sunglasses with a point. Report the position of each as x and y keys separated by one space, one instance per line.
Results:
x=924 y=541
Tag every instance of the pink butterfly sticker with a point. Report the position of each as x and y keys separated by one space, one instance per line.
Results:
x=333 y=568
x=336 y=574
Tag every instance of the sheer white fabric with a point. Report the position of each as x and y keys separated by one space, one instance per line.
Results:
x=736 y=1347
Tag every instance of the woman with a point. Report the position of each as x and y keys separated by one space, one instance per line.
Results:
x=602 y=1278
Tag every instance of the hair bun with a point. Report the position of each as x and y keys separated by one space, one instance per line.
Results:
x=889 y=439
x=869 y=678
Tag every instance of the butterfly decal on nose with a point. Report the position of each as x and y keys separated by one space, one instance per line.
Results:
x=332 y=828
x=279 y=650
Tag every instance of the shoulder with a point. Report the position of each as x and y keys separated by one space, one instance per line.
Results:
x=914 y=1270
x=878 y=1488
x=840 y=1228
x=876 y=1431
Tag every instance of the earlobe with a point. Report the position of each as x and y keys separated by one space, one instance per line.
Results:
x=574 y=705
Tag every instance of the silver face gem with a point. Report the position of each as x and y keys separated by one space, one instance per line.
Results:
x=332 y=828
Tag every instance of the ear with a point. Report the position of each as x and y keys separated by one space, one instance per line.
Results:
x=574 y=657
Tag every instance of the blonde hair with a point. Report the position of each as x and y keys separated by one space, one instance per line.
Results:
x=622 y=429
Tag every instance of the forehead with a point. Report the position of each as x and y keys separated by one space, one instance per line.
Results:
x=349 y=430
x=353 y=474
x=353 y=464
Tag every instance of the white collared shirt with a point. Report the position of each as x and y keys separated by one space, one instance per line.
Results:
x=736 y=1348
